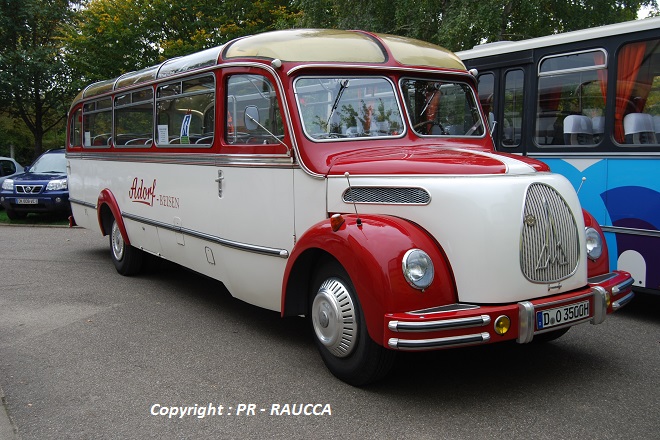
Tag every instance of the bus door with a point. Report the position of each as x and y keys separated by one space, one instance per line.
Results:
x=254 y=189
x=502 y=96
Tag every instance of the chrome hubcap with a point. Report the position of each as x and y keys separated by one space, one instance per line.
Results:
x=333 y=318
x=117 y=242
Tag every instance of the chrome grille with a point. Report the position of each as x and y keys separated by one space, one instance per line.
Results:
x=372 y=194
x=549 y=241
x=28 y=189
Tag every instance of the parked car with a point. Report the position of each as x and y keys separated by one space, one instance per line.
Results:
x=8 y=168
x=42 y=188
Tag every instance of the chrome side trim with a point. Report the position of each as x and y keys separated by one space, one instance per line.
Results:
x=426 y=344
x=273 y=252
x=616 y=305
x=525 y=322
x=630 y=231
x=622 y=286
x=600 y=305
x=602 y=278
x=443 y=309
x=443 y=324
x=82 y=203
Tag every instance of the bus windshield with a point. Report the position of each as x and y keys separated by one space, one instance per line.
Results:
x=335 y=108
x=440 y=108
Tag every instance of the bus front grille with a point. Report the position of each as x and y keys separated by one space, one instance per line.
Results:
x=549 y=241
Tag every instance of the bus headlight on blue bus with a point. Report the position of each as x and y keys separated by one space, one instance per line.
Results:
x=594 y=243
x=417 y=268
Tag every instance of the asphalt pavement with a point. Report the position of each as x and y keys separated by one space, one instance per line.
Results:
x=88 y=354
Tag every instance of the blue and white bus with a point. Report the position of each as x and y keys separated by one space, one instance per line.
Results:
x=588 y=104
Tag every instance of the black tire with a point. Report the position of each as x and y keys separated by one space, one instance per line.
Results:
x=128 y=260
x=340 y=331
x=13 y=215
x=550 y=336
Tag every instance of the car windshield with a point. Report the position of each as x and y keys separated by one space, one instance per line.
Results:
x=338 y=108
x=441 y=108
x=49 y=163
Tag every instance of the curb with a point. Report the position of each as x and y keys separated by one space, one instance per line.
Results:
x=8 y=430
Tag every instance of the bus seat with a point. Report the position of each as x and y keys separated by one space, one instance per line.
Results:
x=578 y=130
x=598 y=125
x=638 y=128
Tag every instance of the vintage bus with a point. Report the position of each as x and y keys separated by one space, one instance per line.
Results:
x=587 y=103
x=345 y=176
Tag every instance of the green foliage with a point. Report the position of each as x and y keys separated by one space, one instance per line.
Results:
x=461 y=24
x=111 y=37
x=34 y=80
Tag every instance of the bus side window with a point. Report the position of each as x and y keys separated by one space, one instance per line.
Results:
x=572 y=97
x=637 y=111
x=252 y=92
x=185 y=112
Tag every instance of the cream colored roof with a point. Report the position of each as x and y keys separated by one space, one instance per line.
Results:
x=295 y=45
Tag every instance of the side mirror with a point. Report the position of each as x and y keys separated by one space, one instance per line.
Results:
x=251 y=117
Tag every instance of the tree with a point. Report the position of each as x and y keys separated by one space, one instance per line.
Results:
x=111 y=37
x=34 y=80
x=461 y=24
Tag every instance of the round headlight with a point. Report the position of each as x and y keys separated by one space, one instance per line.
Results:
x=594 y=243
x=417 y=268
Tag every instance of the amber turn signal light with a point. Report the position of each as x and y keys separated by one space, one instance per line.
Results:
x=336 y=221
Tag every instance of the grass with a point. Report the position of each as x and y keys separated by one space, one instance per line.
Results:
x=35 y=219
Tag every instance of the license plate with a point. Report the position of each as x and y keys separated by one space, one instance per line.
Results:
x=27 y=201
x=562 y=315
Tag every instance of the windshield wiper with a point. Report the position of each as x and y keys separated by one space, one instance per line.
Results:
x=343 y=85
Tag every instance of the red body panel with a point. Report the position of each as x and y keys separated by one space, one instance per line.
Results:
x=601 y=265
x=371 y=255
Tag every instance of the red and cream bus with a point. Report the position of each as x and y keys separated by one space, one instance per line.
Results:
x=342 y=175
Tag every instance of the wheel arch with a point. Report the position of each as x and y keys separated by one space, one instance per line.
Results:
x=107 y=208
x=371 y=255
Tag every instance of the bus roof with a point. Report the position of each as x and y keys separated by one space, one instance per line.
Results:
x=500 y=47
x=294 y=45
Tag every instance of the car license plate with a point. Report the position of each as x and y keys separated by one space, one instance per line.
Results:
x=27 y=201
x=562 y=315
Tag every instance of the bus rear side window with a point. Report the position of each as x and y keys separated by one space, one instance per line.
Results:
x=75 y=129
x=571 y=99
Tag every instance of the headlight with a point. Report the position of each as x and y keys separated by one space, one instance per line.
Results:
x=594 y=243
x=417 y=268
x=56 y=185
x=8 y=184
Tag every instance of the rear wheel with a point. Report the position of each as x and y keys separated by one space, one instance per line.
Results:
x=127 y=259
x=340 y=331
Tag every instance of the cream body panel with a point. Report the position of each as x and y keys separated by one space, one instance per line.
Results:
x=256 y=209
x=477 y=220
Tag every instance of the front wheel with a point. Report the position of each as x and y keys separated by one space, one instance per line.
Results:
x=340 y=331
x=127 y=259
